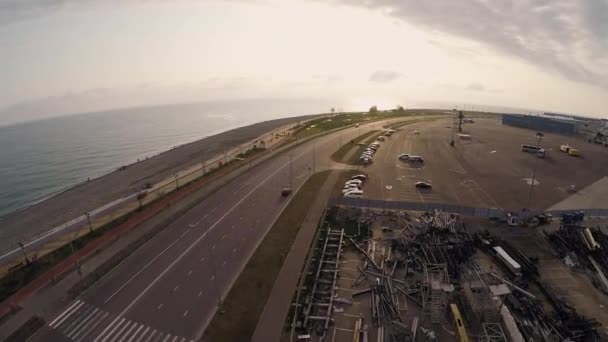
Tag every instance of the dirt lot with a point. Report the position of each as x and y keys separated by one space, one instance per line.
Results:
x=488 y=171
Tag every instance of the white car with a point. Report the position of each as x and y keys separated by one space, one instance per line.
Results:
x=354 y=181
x=359 y=177
x=354 y=193
x=347 y=190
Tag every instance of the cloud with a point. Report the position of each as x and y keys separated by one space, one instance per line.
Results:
x=384 y=76
x=476 y=87
x=569 y=37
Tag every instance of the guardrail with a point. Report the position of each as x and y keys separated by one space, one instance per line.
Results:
x=451 y=208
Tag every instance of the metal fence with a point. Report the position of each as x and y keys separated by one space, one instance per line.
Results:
x=451 y=208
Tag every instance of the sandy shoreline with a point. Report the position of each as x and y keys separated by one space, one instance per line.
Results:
x=29 y=222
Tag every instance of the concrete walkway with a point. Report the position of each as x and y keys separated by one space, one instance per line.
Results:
x=271 y=322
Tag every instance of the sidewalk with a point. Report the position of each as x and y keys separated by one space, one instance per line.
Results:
x=271 y=323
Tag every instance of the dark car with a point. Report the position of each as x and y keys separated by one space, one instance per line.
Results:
x=423 y=185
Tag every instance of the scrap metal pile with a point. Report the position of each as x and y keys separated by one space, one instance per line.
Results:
x=534 y=322
x=583 y=248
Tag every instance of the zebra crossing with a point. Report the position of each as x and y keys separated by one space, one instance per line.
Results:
x=84 y=322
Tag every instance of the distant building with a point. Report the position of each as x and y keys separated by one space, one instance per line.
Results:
x=545 y=123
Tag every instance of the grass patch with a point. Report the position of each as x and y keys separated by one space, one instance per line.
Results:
x=247 y=298
x=26 y=331
x=340 y=154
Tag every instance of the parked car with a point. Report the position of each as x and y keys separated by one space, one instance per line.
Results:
x=416 y=132
x=354 y=181
x=423 y=185
x=404 y=157
x=354 y=193
x=416 y=159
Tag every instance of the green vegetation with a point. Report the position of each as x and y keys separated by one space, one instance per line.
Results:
x=338 y=120
x=26 y=330
x=241 y=308
x=342 y=152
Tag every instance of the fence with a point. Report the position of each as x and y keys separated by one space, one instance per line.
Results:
x=463 y=210
x=66 y=233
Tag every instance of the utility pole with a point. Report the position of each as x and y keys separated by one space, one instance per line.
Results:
x=89 y=216
x=27 y=261
x=291 y=171
x=314 y=159
x=539 y=137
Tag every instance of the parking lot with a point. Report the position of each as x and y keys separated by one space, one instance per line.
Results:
x=489 y=170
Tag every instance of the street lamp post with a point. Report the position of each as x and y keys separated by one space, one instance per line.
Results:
x=89 y=217
x=539 y=138
x=27 y=261
x=220 y=302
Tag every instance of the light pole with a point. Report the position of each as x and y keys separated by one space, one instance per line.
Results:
x=313 y=156
x=220 y=302
x=27 y=261
x=291 y=171
x=89 y=216
x=539 y=137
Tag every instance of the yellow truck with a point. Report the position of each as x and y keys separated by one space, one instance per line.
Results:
x=571 y=151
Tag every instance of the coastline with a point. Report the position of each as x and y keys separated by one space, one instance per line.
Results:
x=75 y=200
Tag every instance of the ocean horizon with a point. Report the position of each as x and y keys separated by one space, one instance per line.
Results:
x=44 y=157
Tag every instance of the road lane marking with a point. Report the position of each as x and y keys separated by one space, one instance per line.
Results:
x=151 y=335
x=234 y=250
x=189 y=273
x=137 y=332
x=213 y=247
x=167 y=338
x=129 y=331
x=185 y=314
x=97 y=320
x=84 y=321
x=141 y=270
x=121 y=330
x=181 y=256
x=223 y=237
x=67 y=313
x=142 y=335
x=202 y=259
x=213 y=277
x=109 y=327
x=84 y=310
x=175 y=288
x=200 y=293
x=160 y=306
x=175 y=339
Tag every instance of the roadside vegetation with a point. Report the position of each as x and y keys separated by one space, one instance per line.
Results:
x=21 y=276
x=245 y=302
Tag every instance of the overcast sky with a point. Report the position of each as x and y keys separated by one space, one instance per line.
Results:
x=81 y=55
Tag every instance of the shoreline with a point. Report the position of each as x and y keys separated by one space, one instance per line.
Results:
x=114 y=168
x=73 y=201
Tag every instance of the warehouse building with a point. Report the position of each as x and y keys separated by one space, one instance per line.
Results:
x=541 y=123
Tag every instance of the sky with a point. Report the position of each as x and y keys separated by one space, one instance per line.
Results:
x=69 y=56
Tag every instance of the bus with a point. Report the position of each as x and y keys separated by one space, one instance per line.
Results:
x=462 y=332
x=540 y=152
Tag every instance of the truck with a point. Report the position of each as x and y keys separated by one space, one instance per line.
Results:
x=540 y=152
x=508 y=261
x=569 y=150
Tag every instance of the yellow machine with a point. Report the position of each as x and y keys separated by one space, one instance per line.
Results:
x=462 y=332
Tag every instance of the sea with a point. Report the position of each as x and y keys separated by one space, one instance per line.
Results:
x=41 y=158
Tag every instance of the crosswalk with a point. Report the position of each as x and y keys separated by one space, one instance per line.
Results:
x=84 y=322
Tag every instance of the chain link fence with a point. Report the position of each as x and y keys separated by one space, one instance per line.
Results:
x=451 y=208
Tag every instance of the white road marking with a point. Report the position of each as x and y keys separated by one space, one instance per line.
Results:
x=96 y=320
x=185 y=313
x=167 y=338
x=110 y=327
x=129 y=331
x=189 y=272
x=68 y=312
x=128 y=323
x=176 y=288
x=160 y=306
x=200 y=293
x=213 y=277
x=181 y=256
x=151 y=335
x=72 y=310
x=234 y=250
x=141 y=270
x=84 y=321
x=137 y=332
x=213 y=247
x=202 y=259
x=142 y=335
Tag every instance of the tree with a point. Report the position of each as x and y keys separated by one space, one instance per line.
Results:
x=373 y=110
x=333 y=111
x=399 y=109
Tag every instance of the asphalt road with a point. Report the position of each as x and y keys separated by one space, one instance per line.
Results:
x=169 y=289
